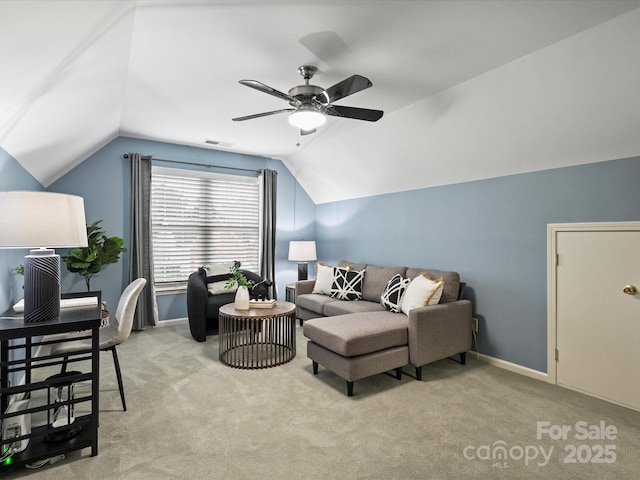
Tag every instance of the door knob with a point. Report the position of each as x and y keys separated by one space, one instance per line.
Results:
x=630 y=290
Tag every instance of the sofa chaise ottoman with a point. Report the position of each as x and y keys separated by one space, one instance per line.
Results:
x=358 y=345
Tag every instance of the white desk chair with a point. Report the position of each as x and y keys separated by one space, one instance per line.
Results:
x=116 y=332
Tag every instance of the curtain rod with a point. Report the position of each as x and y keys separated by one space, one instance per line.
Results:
x=153 y=159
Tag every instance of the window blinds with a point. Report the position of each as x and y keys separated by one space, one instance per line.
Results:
x=199 y=218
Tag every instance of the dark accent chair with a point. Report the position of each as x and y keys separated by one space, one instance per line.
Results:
x=202 y=306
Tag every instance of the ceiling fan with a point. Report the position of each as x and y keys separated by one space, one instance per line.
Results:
x=311 y=104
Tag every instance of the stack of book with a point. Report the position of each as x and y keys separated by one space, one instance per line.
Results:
x=262 y=303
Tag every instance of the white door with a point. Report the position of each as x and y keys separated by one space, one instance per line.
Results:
x=598 y=313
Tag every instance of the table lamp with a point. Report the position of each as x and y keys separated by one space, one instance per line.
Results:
x=42 y=221
x=302 y=252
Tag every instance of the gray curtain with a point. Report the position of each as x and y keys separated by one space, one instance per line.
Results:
x=140 y=252
x=269 y=179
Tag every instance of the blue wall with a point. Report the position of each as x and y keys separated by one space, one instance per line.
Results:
x=103 y=181
x=12 y=177
x=493 y=232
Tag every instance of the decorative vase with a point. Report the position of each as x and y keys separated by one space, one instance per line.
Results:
x=242 y=298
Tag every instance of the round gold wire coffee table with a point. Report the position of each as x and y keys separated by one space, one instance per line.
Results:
x=258 y=337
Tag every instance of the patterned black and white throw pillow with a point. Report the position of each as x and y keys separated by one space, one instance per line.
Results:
x=347 y=284
x=391 y=297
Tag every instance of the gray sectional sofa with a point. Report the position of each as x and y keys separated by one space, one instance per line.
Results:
x=356 y=339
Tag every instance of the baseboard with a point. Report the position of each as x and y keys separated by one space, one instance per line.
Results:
x=512 y=367
x=171 y=321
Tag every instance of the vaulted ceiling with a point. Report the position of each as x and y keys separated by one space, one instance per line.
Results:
x=470 y=89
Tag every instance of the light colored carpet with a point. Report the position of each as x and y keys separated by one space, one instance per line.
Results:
x=191 y=417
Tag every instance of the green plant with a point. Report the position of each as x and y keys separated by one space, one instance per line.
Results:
x=19 y=270
x=101 y=251
x=238 y=278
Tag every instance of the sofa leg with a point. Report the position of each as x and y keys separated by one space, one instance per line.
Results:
x=418 y=373
x=315 y=368
x=463 y=358
x=349 y=389
x=399 y=373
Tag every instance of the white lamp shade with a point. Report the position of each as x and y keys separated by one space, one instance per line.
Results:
x=41 y=219
x=306 y=118
x=302 y=251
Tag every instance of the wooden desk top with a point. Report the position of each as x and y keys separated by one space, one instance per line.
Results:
x=280 y=309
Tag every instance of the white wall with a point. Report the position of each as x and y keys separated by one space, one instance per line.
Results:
x=572 y=103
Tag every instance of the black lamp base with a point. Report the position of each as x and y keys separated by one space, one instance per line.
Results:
x=41 y=286
x=302 y=271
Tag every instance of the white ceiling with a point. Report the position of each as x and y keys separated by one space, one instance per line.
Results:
x=470 y=89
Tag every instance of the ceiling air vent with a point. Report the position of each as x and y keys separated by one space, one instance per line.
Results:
x=217 y=143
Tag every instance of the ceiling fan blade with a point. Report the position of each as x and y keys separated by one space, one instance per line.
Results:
x=348 y=86
x=355 y=112
x=267 y=89
x=307 y=132
x=264 y=114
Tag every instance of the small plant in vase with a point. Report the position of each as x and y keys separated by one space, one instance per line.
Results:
x=243 y=283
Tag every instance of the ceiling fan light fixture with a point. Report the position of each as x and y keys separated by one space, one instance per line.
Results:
x=311 y=104
x=307 y=118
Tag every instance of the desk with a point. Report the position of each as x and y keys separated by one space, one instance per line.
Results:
x=13 y=328
x=257 y=337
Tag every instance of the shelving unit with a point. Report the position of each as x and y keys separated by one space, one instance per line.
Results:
x=17 y=343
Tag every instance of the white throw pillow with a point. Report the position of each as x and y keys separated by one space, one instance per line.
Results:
x=214 y=269
x=324 y=279
x=223 y=271
x=422 y=291
x=216 y=288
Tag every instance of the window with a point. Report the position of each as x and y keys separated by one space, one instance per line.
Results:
x=198 y=218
